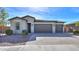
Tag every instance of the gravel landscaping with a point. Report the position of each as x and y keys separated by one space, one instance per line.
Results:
x=13 y=39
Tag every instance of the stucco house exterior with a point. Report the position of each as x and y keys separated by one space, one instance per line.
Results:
x=33 y=25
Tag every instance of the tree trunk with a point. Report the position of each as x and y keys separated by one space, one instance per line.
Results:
x=2 y=26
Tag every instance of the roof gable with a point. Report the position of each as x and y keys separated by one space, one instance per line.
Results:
x=16 y=18
x=28 y=16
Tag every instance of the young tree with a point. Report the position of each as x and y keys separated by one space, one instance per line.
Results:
x=3 y=16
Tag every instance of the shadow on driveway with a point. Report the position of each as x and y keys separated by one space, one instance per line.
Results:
x=34 y=35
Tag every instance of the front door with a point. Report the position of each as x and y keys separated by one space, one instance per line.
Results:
x=29 y=27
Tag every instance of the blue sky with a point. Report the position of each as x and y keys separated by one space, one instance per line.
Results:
x=67 y=14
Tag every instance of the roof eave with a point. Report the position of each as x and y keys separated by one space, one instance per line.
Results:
x=16 y=18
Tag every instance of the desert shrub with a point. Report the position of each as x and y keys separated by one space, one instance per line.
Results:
x=76 y=32
x=24 y=32
x=9 y=32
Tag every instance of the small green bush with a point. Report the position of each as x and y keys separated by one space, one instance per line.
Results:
x=9 y=32
x=76 y=32
x=24 y=32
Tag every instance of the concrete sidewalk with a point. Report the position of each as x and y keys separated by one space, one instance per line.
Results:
x=41 y=48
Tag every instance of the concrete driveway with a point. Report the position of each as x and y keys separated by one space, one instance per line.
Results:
x=34 y=35
x=53 y=39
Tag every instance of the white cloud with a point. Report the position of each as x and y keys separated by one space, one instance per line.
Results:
x=38 y=9
x=37 y=16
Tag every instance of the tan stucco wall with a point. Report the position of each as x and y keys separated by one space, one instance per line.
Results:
x=23 y=25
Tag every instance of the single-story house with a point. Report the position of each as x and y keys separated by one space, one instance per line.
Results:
x=33 y=25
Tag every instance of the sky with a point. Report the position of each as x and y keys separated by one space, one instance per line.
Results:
x=66 y=14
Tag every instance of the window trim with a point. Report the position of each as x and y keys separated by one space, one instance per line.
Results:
x=17 y=25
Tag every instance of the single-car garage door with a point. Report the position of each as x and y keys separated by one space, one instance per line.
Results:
x=43 y=28
x=59 y=28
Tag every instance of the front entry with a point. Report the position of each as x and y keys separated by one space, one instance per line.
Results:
x=29 y=27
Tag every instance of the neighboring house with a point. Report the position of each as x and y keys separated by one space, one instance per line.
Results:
x=3 y=28
x=71 y=27
x=32 y=25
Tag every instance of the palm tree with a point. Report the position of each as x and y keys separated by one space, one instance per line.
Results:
x=3 y=16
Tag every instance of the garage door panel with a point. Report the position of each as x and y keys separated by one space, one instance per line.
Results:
x=43 y=28
x=59 y=28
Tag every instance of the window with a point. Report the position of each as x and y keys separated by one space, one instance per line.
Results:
x=17 y=26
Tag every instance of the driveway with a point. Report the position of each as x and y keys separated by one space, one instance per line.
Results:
x=53 y=39
x=34 y=35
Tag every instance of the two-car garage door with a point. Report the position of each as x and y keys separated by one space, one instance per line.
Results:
x=47 y=28
x=43 y=28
